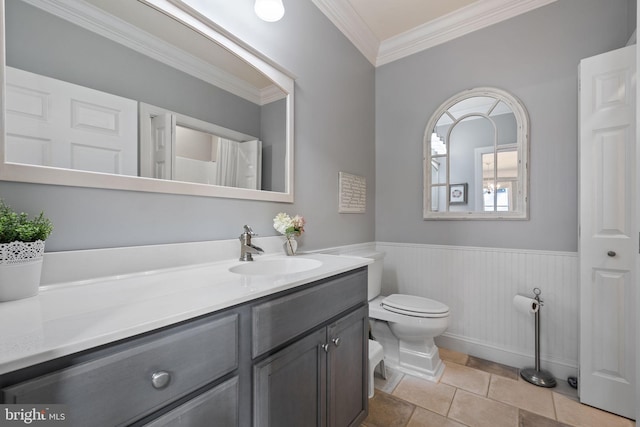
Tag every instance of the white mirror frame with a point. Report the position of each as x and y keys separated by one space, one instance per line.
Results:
x=522 y=132
x=77 y=178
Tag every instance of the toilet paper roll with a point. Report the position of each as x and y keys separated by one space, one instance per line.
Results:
x=525 y=305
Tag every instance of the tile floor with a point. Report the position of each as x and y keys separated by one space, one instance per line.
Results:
x=478 y=393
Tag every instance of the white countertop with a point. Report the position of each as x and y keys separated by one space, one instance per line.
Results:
x=67 y=318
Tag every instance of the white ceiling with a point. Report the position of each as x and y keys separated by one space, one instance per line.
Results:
x=387 y=30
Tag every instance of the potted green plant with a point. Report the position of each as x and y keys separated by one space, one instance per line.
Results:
x=21 y=252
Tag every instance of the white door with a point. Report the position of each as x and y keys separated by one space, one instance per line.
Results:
x=608 y=232
x=163 y=127
x=54 y=123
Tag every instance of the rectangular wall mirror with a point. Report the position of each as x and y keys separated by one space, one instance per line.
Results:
x=144 y=95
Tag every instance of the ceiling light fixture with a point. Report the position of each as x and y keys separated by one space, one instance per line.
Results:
x=269 y=10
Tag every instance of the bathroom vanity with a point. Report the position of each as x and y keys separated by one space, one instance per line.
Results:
x=198 y=344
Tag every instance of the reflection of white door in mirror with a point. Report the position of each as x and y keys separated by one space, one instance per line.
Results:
x=479 y=137
x=160 y=154
x=50 y=122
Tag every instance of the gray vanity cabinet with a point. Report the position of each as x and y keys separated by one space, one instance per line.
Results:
x=295 y=358
x=128 y=381
x=320 y=378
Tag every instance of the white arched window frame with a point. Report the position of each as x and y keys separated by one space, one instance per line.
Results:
x=437 y=155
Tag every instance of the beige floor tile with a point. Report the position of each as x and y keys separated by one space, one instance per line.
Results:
x=522 y=395
x=429 y=395
x=423 y=418
x=466 y=378
x=478 y=411
x=493 y=367
x=529 y=419
x=563 y=387
x=389 y=384
x=453 y=356
x=387 y=411
x=576 y=414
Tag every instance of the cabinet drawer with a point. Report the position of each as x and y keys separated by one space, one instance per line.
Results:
x=277 y=321
x=118 y=387
x=216 y=407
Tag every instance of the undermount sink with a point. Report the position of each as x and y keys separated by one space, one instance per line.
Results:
x=276 y=266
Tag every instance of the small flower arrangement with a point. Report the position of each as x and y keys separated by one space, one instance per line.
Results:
x=289 y=227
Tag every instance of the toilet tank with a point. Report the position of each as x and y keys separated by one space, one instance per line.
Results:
x=375 y=271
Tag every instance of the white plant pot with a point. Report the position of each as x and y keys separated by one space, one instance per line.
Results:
x=20 y=269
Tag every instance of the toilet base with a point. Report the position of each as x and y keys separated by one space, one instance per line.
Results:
x=418 y=359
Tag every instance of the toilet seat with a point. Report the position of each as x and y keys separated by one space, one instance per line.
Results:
x=415 y=306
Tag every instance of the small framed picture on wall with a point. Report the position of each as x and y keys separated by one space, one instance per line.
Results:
x=458 y=194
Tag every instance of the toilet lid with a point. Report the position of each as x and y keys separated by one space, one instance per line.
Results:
x=415 y=306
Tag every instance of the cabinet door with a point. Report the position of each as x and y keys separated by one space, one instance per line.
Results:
x=290 y=386
x=347 y=369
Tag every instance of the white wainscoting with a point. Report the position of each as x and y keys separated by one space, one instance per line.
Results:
x=478 y=285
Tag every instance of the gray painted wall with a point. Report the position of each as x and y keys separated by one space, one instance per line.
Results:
x=274 y=145
x=535 y=56
x=334 y=131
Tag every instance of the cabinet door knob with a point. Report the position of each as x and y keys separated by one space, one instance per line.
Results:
x=336 y=341
x=325 y=347
x=160 y=379
x=611 y=253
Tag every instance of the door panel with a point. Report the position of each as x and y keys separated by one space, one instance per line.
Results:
x=290 y=385
x=54 y=123
x=608 y=233
x=348 y=358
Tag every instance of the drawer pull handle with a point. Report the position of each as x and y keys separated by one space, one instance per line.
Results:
x=336 y=341
x=611 y=253
x=160 y=379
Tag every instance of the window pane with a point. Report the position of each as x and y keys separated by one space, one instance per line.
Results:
x=438 y=170
x=507 y=165
x=438 y=198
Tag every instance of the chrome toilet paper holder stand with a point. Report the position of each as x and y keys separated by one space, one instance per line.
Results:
x=535 y=375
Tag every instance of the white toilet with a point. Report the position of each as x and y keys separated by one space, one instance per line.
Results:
x=406 y=325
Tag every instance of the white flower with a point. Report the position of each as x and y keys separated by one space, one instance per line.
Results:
x=289 y=226
x=282 y=222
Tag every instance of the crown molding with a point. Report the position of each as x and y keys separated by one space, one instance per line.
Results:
x=344 y=16
x=471 y=18
x=467 y=20
x=270 y=94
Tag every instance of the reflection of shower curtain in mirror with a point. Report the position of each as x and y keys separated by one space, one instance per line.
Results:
x=227 y=160
x=239 y=163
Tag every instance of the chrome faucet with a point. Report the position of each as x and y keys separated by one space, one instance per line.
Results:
x=246 y=247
